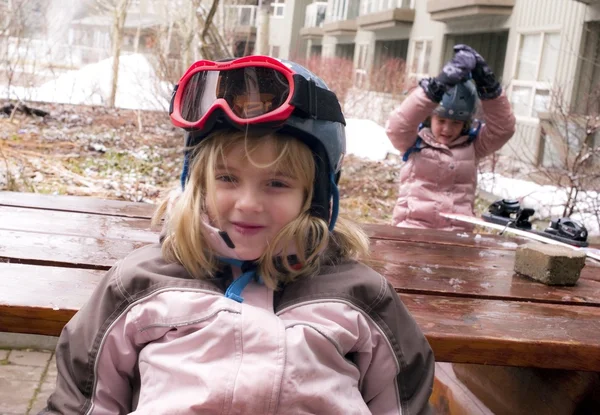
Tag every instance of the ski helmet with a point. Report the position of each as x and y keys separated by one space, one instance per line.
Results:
x=458 y=103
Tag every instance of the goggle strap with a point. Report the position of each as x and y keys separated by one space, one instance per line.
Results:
x=172 y=103
x=335 y=206
x=315 y=102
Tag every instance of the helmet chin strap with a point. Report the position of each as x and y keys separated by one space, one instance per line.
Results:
x=335 y=194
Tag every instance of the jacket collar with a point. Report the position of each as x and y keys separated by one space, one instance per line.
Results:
x=427 y=136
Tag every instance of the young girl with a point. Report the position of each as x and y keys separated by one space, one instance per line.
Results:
x=440 y=170
x=254 y=302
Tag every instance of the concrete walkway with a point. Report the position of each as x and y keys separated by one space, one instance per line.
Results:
x=27 y=377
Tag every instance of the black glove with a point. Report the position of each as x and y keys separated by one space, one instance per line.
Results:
x=487 y=85
x=456 y=70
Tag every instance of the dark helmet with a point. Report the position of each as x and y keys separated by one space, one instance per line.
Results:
x=459 y=103
x=326 y=139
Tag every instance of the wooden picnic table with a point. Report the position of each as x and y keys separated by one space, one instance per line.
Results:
x=460 y=287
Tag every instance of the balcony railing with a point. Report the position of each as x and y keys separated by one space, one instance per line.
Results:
x=315 y=14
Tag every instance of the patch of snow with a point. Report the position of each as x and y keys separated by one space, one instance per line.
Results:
x=367 y=139
x=546 y=200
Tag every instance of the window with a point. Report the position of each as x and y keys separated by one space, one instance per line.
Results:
x=390 y=49
x=344 y=51
x=342 y=10
x=419 y=66
x=278 y=8
x=534 y=73
x=316 y=50
x=360 y=74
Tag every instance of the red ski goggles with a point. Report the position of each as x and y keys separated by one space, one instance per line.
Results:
x=248 y=90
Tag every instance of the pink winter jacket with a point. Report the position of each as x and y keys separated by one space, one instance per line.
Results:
x=154 y=340
x=440 y=178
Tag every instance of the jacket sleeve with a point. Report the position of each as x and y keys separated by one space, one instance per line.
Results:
x=96 y=355
x=403 y=123
x=402 y=384
x=498 y=128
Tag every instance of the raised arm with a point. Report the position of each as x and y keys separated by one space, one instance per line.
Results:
x=500 y=121
x=401 y=127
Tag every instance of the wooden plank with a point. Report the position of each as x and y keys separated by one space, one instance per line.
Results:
x=77 y=204
x=76 y=224
x=63 y=250
x=41 y=299
x=498 y=284
x=459 y=329
x=46 y=287
x=423 y=254
x=431 y=255
x=463 y=239
x=509 y=333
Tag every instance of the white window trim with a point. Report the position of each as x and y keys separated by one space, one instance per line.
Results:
x=278 y=6
x=412 y=46
x=534 y=85
x=360 y=70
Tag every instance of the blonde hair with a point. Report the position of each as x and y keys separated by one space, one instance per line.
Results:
x=186 y=238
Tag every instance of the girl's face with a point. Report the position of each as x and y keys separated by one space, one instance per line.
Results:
x=445 y=130
x=251 y=202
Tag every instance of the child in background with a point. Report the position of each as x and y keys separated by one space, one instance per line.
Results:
x=253 y=302
x=434 y=129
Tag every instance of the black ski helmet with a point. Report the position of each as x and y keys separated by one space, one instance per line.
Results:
x=459 y=102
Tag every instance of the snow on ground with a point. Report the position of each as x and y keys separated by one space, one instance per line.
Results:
x=367 y=139
x=138 y=86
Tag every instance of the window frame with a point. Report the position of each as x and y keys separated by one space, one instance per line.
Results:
x=420 y=73
x=278 y=9
x=361 y=70
x=534 y=85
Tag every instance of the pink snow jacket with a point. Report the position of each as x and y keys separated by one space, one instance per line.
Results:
x=439 y=178
x=154 y=340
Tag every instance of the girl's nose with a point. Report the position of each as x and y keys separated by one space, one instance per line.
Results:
x=249 y=199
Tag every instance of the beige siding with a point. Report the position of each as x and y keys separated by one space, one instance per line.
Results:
x=284 y=31
x=524 y=144
x=566 y=16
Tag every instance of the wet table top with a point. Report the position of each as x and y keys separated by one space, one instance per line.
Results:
x=460 y=287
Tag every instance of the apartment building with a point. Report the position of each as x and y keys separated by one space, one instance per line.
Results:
x=536 y=47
